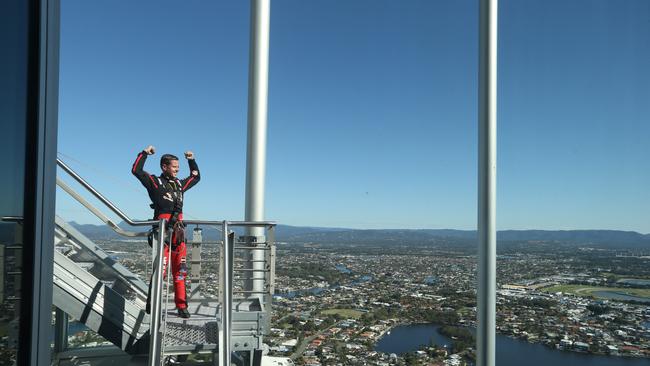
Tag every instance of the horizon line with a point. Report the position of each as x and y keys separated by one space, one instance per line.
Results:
x=415 y=229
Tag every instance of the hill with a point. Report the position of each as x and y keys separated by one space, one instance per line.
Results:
x=299 y=234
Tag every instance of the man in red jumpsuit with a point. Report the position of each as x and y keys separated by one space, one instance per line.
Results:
x=166 y=192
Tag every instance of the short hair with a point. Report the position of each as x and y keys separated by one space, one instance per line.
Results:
x=166 y=159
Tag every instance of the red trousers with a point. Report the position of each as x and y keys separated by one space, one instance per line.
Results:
x=179 y=271
x=179 y=264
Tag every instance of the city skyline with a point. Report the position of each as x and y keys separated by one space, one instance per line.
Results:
x=372 y=110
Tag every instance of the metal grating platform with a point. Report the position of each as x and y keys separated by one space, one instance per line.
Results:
x=192 y=334
x=200 y=333
x=196 y=334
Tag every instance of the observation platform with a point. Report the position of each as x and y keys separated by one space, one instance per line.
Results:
x=95 y=289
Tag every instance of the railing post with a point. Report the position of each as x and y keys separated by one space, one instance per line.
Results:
x=156 y=303
x=221 y=266
x=487 y=170
x=226 y=300
x=271 y=266
x=195 y=270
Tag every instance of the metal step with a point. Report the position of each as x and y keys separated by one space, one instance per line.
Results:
x=89 y=300
x=80 y=249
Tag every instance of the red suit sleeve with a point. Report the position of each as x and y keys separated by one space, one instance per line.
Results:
x=194 y=177
x=138 y=170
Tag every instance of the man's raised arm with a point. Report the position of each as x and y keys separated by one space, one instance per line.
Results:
x=195 y=175
x=138 y=167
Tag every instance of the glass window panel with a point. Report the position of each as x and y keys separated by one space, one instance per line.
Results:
x=13 y=102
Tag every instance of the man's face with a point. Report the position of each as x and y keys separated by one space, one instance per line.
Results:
x=171 y=169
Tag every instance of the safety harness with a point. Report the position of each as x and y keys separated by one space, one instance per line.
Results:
x=175 y=226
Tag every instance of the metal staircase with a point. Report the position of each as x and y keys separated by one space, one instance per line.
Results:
x=99 y=292
x=93 y=288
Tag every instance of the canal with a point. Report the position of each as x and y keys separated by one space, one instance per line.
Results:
x=510 y=352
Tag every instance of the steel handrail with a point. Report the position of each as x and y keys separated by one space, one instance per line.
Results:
x=103 y=199
x=97 y=212
x=126 y=218
x=157 y=280
x=131 y=222
x=230 y=223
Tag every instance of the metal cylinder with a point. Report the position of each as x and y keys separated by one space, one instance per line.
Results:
x=487 y=169
x=226 y=300
x=257 y=124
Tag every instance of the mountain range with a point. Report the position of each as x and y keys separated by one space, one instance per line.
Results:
x=303 y=234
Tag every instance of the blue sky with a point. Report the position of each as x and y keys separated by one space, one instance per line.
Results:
x=372 y=109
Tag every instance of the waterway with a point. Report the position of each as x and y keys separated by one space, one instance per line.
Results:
x=510 y=352
x=634 y=281
x=408 y=338
x=361 y=279
x=430 y=280
x=343 y=269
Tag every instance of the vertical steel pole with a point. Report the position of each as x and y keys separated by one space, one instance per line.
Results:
x=197 y=239
x=487 y=169
x=226 y=300
x=258 y=79
x=156 y=290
